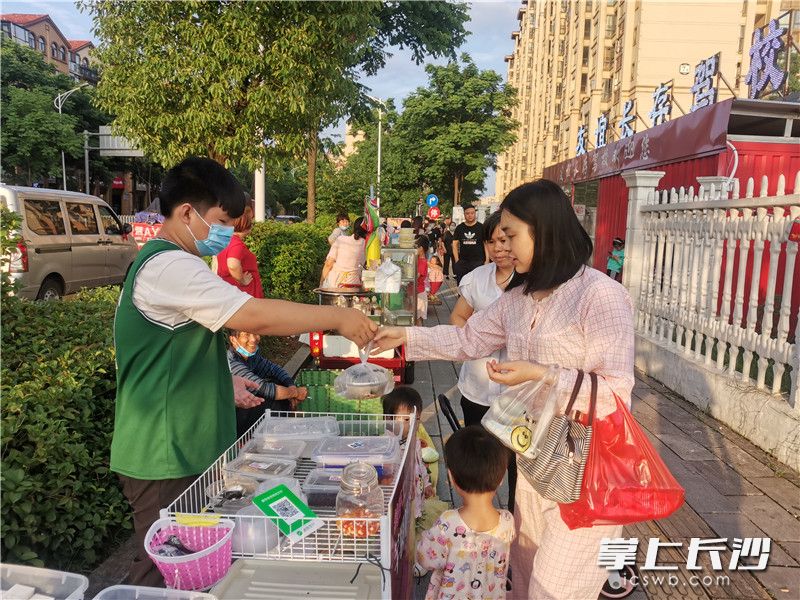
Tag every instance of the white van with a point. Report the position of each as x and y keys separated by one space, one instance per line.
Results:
x=69 y=241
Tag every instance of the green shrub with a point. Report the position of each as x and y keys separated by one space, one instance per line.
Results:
x=290 y=258
x=61 y=505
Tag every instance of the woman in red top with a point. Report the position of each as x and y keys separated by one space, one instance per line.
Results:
x=237 y=264
x=422 y=278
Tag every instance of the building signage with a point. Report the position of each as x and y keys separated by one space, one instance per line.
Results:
x=662 y=104
x=704 y=90
x=764 y=70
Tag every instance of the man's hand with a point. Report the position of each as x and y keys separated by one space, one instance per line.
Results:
x=515 y=372
x=241 y=392
x=388 y=338
x=356 y=326
x=302 y=394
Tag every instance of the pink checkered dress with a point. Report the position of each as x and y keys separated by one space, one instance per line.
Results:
x=586 y=323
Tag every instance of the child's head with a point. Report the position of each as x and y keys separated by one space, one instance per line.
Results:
x=618 y=243
x=435 y=261
x=422 y=245
x=402 y=400
x=476 y=460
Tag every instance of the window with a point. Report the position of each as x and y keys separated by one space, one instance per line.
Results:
x=587 y=28
x=611 y=25
x=82 y=220
x=585 y=56
x=111 y=224
x=43 y=217
x=63 y=54
x=42 y=45
x=86 y=62
x=741 y=39
x=54 y=50
x=32 y=40
x=584 y=81
x=608 y=59
x=606 y=90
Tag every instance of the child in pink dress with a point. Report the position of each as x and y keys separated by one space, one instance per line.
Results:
x=468 y=549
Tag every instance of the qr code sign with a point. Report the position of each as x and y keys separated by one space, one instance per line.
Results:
x=286 y=510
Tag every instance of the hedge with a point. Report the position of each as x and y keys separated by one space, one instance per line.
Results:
x=61 y=505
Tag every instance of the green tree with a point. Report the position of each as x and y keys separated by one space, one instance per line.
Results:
x=457 y=125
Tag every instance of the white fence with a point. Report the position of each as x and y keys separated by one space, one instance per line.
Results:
x=717 y=278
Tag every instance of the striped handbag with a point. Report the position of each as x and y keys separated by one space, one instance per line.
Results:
x=557 y=471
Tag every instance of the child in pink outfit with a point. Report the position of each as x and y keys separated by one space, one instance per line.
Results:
x=468 y=549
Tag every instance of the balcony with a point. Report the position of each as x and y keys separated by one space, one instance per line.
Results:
x=88 y=74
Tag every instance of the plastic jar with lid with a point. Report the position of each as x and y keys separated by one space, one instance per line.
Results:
x=359 y=503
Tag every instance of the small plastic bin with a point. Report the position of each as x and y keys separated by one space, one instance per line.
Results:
x=260 y=466
x=140 y=592
x=231 y=494
x=382 y=452
x=58 y=584
x=307 y=429
x=369 y=426
x=321 y=487
x=288 y=449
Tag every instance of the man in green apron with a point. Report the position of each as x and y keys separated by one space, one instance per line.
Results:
x=175 y=411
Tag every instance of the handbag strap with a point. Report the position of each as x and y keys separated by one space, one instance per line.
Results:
x=592 y=394
x=575 y=389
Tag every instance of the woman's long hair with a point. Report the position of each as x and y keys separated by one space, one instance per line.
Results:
x=359 y=232
x=561 y=246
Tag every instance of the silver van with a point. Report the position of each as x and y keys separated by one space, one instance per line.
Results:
x=69 y=241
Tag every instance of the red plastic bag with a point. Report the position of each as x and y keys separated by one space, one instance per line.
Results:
x=625 y=480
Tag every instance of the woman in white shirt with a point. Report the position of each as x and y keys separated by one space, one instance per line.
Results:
x=479 y=289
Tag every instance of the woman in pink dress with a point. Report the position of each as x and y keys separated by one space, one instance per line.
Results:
x=556 y=311
x=345 y=260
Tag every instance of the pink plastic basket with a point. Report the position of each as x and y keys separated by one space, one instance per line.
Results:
x=202 y=569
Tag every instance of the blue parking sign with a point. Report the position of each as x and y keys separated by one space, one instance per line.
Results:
x=431 y=200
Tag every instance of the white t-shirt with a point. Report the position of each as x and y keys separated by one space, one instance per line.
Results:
x=175 y=287
x=479 y=288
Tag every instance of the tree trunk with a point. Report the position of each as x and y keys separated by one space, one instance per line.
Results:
x=311 y=196
x=216 y=156
x=457 y=187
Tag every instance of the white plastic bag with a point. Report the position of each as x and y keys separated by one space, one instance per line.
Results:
x=514 y=415
x=388 y=278
x=364 y=380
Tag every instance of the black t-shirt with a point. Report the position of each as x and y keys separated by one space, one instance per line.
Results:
x=448 y=241
x=470 y=242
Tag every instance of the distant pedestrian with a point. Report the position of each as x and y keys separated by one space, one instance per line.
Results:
x=616 y=258
x=342 y=225
x=447 y=237
x=468 y=248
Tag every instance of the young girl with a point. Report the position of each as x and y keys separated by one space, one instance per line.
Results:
x=436 y=277
x=422 y=278
x=468 y=549
x=616 y=258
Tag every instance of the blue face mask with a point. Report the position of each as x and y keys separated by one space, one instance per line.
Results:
x=219 y=236
x=244 y=352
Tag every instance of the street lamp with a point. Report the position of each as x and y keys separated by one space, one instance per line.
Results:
x=380 y=123
x=58 y=103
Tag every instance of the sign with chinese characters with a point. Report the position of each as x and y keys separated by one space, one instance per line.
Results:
x=704 y=90
x=434 y=212
x=627 y=124
x=581 y=147
x=764 y=69
x=601 y=132
x=707 y=130
x=662 y=104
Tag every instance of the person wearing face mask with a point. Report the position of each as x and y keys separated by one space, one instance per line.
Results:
x=345 y=260
x=276 y=386
x=342 y=225
x=175 y=401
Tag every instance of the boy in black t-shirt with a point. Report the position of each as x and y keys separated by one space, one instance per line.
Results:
x=468 y=250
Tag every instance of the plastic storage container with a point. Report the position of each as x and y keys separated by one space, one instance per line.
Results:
x=308 y=429
x=277 y=448
x=260 y=466
x=139 y=592
x=321 y=487
x=382 y=452
x=58 y=584
x=359 y=503
x=230 y=495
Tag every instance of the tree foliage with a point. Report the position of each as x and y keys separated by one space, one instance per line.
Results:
x=457 y=125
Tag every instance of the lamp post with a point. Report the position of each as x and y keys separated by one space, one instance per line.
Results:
x=380 y=127
x=58 y=103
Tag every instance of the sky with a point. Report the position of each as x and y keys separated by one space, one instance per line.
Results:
x=490 y=40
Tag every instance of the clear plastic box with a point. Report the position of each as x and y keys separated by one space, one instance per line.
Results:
x=260 y=466
x=298 y=427
x=287 y=448
x=58 y=584
x=380 y=451
x=321 y=487
x=139 y=592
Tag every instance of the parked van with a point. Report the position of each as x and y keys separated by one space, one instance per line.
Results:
x=69 y=241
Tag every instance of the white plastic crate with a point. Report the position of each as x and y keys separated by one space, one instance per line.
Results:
x=139 y=592
x=58 y=584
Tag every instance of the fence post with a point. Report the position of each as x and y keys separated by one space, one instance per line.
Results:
x=640 y=184
x=794 y=389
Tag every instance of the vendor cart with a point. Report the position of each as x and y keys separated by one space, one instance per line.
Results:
x=331 y=555
x=331 y=351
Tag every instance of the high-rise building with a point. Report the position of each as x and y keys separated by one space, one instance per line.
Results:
x=577 y=60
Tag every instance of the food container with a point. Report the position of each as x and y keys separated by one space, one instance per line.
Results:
x=359 y=503
x=321 y=487
x=306 y=429
x=364 y=380
x=382 y=452
x=260 y=466
x=49 y=582
x=287 y=448
x=254 y=533
x=231 y=494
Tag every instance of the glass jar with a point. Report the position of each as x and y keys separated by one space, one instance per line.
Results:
x=359 y=503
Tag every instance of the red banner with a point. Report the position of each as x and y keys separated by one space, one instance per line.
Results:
x=144 y=231
x=696 y=134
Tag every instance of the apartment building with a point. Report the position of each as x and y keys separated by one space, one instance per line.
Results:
x=575 y=60
x=40 y=33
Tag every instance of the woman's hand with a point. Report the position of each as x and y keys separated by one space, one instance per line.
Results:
x=515 y=372
x=356 y=326
x=246 y=279
x=388 y=338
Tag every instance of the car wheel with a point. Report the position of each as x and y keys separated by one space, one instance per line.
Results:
x=50 y=290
